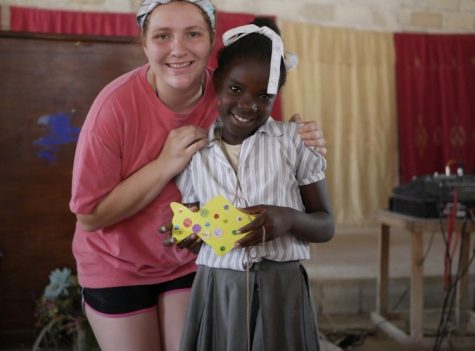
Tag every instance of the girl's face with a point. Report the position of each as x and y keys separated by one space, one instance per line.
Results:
x=244 y=104
x=177 y=43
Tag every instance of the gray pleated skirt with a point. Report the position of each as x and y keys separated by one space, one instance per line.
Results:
x=278 y=309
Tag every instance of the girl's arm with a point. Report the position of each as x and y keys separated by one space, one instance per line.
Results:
x=141 y=188
x=314 y=225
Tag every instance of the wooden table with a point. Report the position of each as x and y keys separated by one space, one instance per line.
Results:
x=416 y=227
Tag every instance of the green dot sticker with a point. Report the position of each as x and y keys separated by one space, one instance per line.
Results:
x=222 y=248
x=204 y=212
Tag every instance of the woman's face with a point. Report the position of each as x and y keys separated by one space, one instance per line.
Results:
x=177 y=44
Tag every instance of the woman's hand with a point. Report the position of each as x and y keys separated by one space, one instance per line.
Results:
x=181 y=144
x=311 y=134
x=270 y=223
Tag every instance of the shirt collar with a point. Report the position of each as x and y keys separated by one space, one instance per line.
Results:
x=271 y=128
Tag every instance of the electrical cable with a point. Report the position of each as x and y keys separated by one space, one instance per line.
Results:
x=449 y=299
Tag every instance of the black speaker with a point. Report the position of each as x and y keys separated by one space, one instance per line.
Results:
x=428 y=196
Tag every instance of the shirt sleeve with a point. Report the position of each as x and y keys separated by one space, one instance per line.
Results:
x=97 y=162
x=310 y=165
x=184 y=182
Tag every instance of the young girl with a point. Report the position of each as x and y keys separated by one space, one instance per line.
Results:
x=257 y=296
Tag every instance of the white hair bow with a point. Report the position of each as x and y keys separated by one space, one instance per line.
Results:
x=290 y=60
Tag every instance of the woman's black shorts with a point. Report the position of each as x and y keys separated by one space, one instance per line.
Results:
x=130 y=299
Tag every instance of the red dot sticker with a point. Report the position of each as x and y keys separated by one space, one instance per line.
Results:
x=187 y=222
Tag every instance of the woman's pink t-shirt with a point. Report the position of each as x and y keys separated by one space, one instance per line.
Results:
x=125 y=129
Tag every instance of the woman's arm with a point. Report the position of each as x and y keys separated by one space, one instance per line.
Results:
x=314 y=225
x=141 y=188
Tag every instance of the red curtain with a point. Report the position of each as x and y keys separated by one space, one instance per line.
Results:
x=436 y=102
x=69 y=22
x=110 y=24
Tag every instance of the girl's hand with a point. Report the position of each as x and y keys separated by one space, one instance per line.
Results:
x=181 y=144
x=311 y=134
x=270 y=223
x=191 y=243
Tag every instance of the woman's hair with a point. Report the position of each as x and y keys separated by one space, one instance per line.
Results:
x=211 y=31
x=253 y=45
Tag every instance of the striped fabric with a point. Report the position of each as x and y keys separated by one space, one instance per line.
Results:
x=272 y=165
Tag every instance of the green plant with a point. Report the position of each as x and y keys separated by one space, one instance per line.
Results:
x=59 y=315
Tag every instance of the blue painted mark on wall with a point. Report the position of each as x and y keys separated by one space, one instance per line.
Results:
x=59 y=132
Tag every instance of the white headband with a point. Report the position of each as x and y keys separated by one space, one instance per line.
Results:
x=290 y=60
x=149 y=5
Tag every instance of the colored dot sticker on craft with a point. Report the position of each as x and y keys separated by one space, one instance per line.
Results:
x=196 y=228
x=216 y=216
x=218 y=232
x=222 y=248
x=205 y=234
x=234 y=232
x=226 y=220
x=239 y=218
x=204 y=212
x=207 y=224
x=187 y=222
x=226 y=207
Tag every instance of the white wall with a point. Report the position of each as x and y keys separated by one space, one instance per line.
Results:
x=436 y=16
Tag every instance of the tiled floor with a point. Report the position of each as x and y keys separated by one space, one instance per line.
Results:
x=343 y=274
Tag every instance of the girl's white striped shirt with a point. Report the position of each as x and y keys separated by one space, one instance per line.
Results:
x=273 y=163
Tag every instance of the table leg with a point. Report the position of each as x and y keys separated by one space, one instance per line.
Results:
x=462 y=308
x=417 y=290
x=383 y=273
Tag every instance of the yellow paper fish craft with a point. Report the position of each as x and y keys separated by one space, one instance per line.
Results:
x=216 y=223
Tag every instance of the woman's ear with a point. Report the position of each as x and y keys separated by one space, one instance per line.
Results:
x=213 y=40
x=144 y=46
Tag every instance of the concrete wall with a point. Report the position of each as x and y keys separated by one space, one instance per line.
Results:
x=434 y=16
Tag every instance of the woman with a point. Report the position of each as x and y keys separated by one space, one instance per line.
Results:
x=140 y=132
